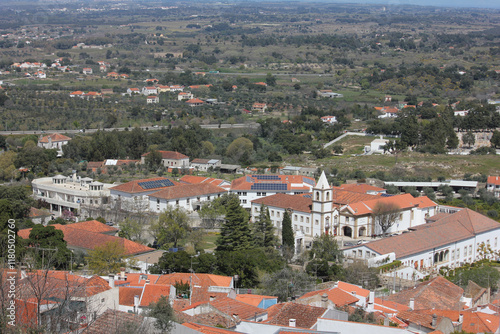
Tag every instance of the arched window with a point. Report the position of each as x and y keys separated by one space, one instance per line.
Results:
x=317 y=195
x=327 y=195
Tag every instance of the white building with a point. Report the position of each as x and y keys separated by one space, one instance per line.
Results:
x=451 y=240
x=149 y=90
x=376 y=146
x=493 y=185
x=252 y=187
x=152 y=99
x=54 y=141
x=170 y=159
x=189 y=197
x=133 y=196
x=70 y=193
x=204 y=164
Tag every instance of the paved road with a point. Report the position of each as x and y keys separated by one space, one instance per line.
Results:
x=204 y=126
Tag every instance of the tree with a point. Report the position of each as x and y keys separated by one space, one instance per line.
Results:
x=235 y=232
x=287 y=237
x=263 y=229
x=326 y=247
x=495 y=139
x=172 y=225
x=153 y=160
x=164 y=314
x=240 y=150
x=213 y=212
x=131 y=230
x=287 y=283
x=270 y=79
x=469 y=139
x=385 y=215
x=107 y=258
x=49 y=247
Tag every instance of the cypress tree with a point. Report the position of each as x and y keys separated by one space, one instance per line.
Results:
x=235 y=232
x=263 y=229
x=287 y=237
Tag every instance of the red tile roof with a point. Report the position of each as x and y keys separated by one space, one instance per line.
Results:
x=337 y=296
x=171 y=155
x=404 y=201
x=207 y=329
x=84 y=239
x=235 y=308
x=294 y=202
x=93 y=226
x=458 y=226
x=134 y=186
x=188 y=190
x=493 y=180
x=114 y=321
x=195 y=101
x=438 y=293
x=126 y=295
x=193 y=179
x=254 y=300
x=153 y=292
x=305 y=315
x=55 y=137
x=349 y=288
x=293 y=182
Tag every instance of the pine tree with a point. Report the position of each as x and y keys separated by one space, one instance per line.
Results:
x=235 y=232
x=287 y=237
x=263 y=229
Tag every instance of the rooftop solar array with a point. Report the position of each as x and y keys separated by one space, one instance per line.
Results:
x=309 y=181
x=156 y=184
x=249 y=179
x=386 y=195
x=267 y=177
x=307 y=196
x=269 y=186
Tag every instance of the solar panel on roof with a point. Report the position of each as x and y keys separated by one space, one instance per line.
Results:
x=309 y=181
x=386 y=195
x=156 y=184
x=267 y=177
x=269 y=186
x=249 y=179
x=307 y=196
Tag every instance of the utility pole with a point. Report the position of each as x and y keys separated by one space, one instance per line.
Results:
x=43 y=252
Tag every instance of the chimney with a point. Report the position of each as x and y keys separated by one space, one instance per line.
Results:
x=434 y=320
x=386 y=322
x=412 y=304
x=353 y=293
x=23 y=272
x=460 y=318
x=212 y=298
x=136 y=301
x=371 y=298
x=112 y=280
x=324 y=300
x=147 y=281
x=122 y=273
x=292 y=322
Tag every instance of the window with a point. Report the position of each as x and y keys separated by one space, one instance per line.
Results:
x=316 y=222
x=307 y=220
x=302 y=229
x=272 y=213
x=258 y=194
x=255 y=209
x=278 y=214
x=295 y=227
x=244 y=193
x=187 y=200
x=295 y=217
x=244 y=201
x=400 y=216
x=239 y=193
x=360 y=253
x=103 y=300
x=176 y=202
x=307 y=229
x=458 y=253
x=157 y=201
x=453 y=254
x=208 y=198
x=264 y=194
x=465 y=251
x=470 y=250
x=301 y=219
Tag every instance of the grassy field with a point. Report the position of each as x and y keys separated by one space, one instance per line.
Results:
x=209 y=241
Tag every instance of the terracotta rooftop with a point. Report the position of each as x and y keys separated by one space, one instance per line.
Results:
x=337 y=296
x=193 y=179
x=404 y=201
x=348 y=287
x=114 y=321
x=188 y=190
x=342 y=197
x=55 y=137
x=234 y=308
x=438 y=293
x=84 y=239
x=295 y=202
x=458 y=226
x=254 y=300
x=207 y=329
x=292 y=182
x=305 y=315
x=152 y=293
x=134 y=186
x=93 y=226
x=493 y=180
x=126 y=295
